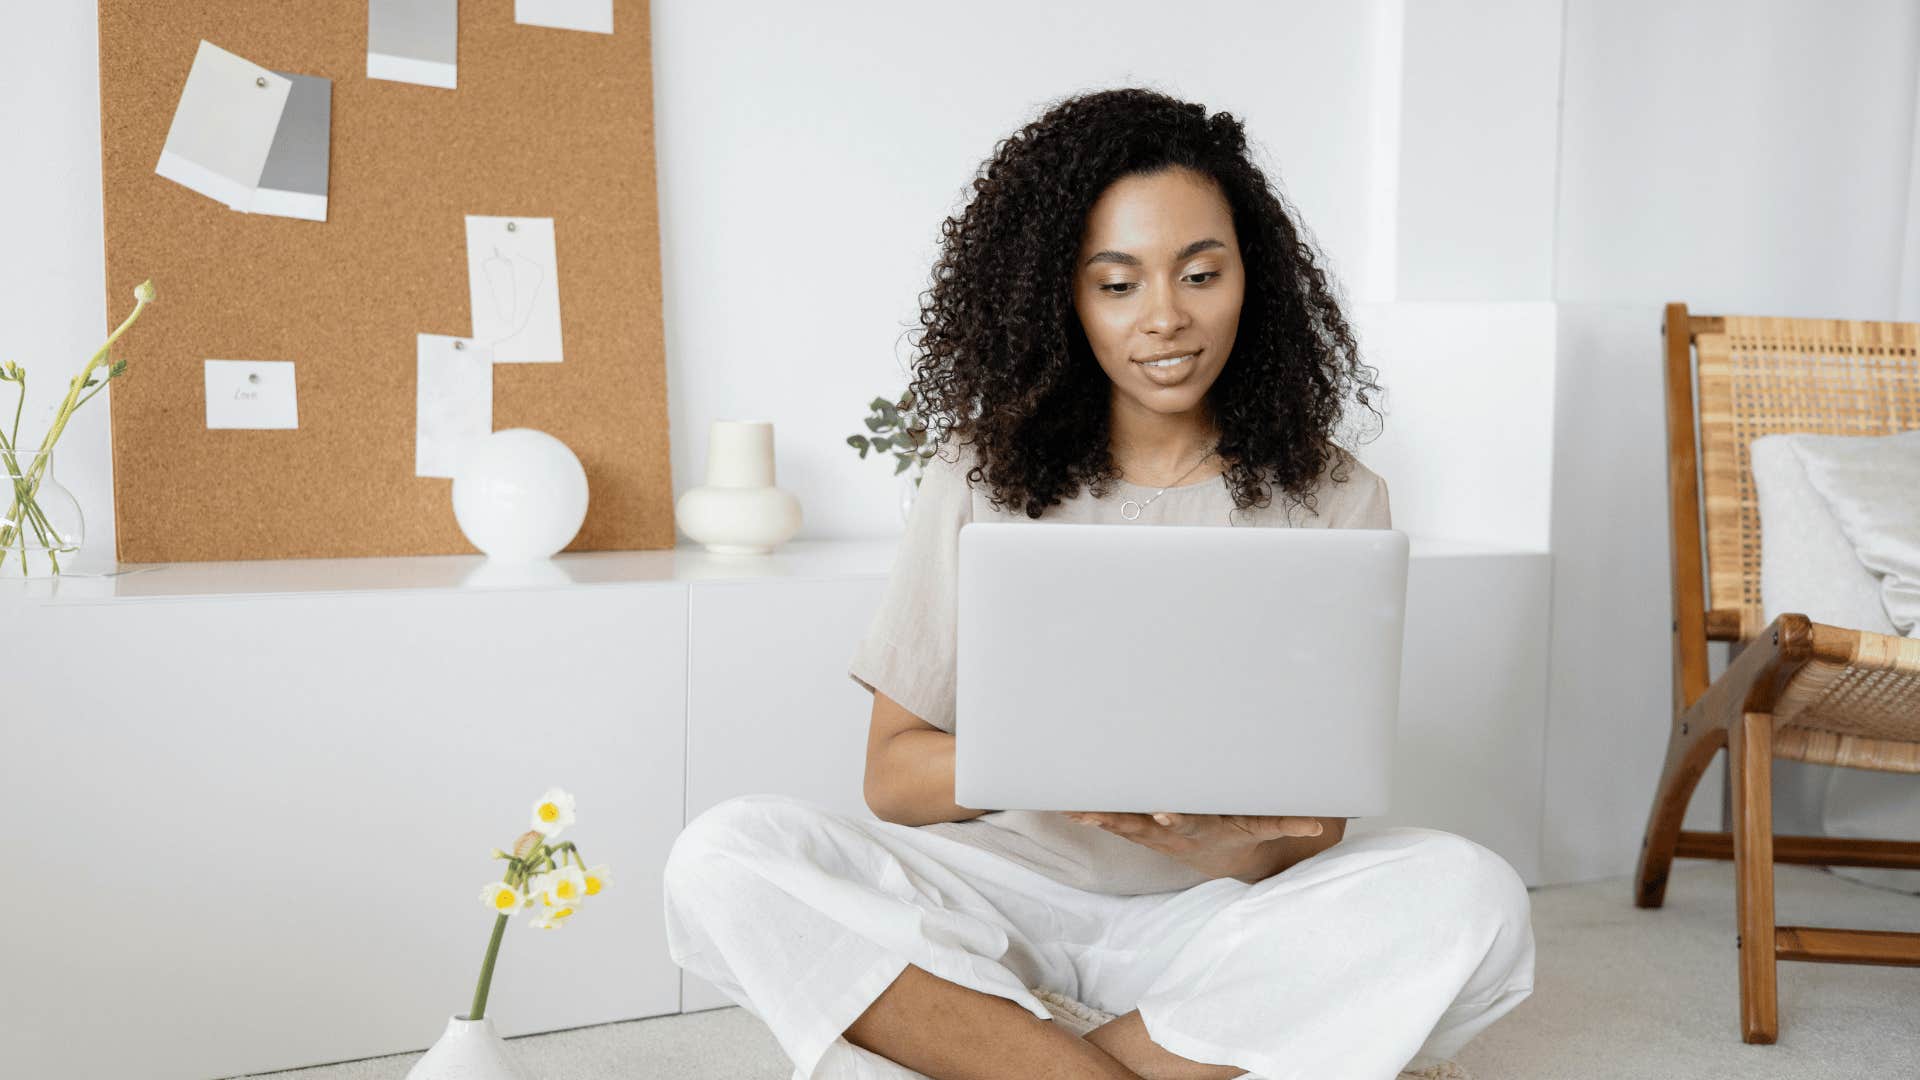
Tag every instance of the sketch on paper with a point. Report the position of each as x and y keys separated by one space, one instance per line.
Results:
x=513 y=286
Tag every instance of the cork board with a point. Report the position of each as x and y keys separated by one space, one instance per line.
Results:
x=544 y=123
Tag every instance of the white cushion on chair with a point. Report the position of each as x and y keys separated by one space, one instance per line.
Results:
x=1872 y=486
x=1807 y=564
x=1817 y=494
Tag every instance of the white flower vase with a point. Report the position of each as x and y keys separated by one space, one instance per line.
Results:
x=467 y=1050
x=739 y=511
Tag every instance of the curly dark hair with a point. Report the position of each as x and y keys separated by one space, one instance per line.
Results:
x=1002 y=361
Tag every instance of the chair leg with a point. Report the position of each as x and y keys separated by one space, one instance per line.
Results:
x=1689 y=752
x=1750 y=761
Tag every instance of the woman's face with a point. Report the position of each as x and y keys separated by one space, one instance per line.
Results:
x=1159 y=275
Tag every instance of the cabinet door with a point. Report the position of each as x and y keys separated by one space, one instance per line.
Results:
x=264 y=822
x=769 y=705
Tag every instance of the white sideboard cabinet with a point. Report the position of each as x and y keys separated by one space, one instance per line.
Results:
x=251 y=804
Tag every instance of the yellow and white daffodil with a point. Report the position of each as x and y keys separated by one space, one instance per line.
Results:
x=550 y=918
x=501 y=898
x=552 y=812
x=597 y=878
x=560 y=888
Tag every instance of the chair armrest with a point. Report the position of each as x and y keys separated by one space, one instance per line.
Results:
x=1752 y=682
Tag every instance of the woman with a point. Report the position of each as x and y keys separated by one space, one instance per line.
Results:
x=1124 y=326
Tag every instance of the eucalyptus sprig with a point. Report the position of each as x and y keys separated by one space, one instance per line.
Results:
x=25 y=513
x=899 y=428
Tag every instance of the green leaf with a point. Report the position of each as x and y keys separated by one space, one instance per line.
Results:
x=906 y=400
x=882 y=444
x=901 y=465
x=874 y=423
x=877 y=404
x=119 y=368
x=858 y=442
x=892 y=414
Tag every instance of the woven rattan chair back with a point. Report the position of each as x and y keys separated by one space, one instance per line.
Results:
x=1765 y=376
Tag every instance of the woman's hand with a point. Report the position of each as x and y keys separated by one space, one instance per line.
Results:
x=1224 y=845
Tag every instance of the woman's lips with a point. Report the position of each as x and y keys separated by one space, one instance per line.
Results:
x=1169 y=374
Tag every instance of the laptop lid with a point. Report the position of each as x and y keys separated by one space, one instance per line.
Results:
x=1188 y=668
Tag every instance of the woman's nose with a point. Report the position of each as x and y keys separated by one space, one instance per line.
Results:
x=1164 y=313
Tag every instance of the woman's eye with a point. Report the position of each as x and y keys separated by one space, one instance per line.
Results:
x=1121 y=288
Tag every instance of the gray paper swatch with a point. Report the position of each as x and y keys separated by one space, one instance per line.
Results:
x=294 y=181
x=414 y=41
x=223 y=125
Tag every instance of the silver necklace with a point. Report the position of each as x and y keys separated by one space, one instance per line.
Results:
x=1139 y=506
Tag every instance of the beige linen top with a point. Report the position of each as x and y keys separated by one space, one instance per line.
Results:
x=909 y=651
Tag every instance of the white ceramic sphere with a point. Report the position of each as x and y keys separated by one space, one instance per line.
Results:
x=519 y=494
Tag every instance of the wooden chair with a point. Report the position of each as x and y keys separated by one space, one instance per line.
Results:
x=1793 y=688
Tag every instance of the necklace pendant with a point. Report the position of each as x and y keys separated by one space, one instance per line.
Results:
x=1135 y=507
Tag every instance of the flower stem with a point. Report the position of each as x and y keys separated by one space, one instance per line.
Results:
x=479 y=1008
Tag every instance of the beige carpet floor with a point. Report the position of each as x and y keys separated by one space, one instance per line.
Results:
x=1619 y=994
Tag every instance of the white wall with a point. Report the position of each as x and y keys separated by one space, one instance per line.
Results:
x=1479 y=116
x=1747 y=157
x=52 y=309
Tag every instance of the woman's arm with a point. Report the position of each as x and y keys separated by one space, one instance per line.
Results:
x=909 y=778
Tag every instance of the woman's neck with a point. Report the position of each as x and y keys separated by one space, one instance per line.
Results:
x=1157 y=445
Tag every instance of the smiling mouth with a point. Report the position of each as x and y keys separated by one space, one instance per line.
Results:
x=1170 y=362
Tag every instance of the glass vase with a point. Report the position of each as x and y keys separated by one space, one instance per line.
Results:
x=41 y=523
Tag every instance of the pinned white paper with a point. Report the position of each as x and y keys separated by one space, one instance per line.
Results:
x=512 y=280
x=415 y=41
x=595 y=16
x=223 y=127
x=294 y=181
x=453 y=401
x=253 y=394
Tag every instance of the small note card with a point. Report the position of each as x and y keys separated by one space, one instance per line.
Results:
x=256 y=394
x=453 y=401
x=223 y=126
x=591 y=15
x=514 y=285
x=294 y=181
x=414 y=41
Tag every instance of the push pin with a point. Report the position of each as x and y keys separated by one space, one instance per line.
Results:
x=259 y=80
x=458 y=344
x=253 y=377
x=511 y=227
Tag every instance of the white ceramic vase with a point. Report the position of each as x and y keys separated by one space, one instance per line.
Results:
x=739 y=511
x=467 y=1050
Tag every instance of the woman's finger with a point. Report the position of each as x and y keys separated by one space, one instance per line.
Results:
x=1303 y=826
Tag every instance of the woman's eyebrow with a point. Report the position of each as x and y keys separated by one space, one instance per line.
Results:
x=1122 y=257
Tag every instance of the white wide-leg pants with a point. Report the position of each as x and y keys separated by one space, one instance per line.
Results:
x=1389 y=950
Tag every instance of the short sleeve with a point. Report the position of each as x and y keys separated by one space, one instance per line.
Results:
x=1374 y=511
x=911 y=647
x=1363 y=502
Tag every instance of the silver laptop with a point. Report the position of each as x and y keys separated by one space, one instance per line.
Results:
x=1189 y=668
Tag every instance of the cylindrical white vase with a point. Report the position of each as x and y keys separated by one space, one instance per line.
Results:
x=739 y=511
